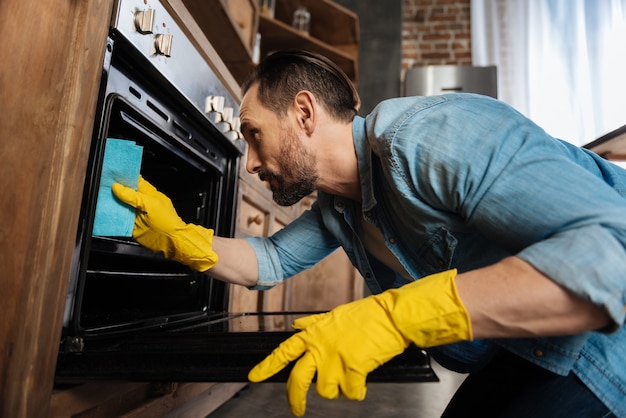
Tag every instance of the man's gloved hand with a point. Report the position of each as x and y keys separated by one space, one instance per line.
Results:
x=347 y=343
x=159 y=228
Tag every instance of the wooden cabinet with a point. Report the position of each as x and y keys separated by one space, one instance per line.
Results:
x=50 y=81
x=231 y=25
x=334 y=32
x=253 y=219
x=332 y=282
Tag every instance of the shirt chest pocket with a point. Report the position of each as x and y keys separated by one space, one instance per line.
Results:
x=437 y=253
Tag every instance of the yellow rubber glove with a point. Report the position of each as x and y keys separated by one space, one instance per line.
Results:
x=159 y=228
x=344 y=345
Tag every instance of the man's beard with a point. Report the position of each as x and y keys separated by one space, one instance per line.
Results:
x=297 y=177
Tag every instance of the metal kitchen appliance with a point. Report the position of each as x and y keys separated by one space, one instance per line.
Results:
x=431 y=80
x=131 y=314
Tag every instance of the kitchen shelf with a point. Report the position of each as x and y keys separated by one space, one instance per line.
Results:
x=334 y=32
x=231 y=27
x=276 y=35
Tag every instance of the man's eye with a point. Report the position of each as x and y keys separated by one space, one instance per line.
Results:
x=250 y=134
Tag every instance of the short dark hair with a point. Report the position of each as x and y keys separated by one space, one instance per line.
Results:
x=282 y=74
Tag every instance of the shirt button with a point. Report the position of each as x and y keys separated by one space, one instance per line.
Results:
x=538 y=352
x=368 y=213
x=392 y=240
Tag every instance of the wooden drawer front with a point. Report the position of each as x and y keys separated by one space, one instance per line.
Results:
x=253 y=218
x=273 y=300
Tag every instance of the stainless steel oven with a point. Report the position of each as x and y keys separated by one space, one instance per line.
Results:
x=130 y=313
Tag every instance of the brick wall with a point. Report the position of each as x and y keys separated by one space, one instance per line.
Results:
x=435 y=32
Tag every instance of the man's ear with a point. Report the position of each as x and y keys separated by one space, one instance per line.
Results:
x=306 y=110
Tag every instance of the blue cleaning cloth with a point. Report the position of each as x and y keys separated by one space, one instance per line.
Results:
x=121 y=164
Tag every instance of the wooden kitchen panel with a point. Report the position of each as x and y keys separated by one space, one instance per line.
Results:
x=231 y=28
x=275 y=299
x=230 y=25
x=47 y=123
x=253 y=220
x=242 y=299
x=334 y=32
x=332 y=282
x=245 y=16
x=254 y=215
x=277 y=35
x=331 y=23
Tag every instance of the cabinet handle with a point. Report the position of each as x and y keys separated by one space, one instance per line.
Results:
x=258 y=219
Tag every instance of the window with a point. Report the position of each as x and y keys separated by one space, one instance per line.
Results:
x=560 y=62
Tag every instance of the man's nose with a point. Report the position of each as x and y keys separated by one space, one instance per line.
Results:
x=253 y=164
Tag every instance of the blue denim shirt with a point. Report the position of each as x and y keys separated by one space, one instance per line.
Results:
x=462 y=181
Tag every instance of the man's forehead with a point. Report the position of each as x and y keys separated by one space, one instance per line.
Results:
x=249 y=100
x=251 y=92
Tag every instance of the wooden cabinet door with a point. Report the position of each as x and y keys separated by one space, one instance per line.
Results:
x=253 y=219
x=274 y=300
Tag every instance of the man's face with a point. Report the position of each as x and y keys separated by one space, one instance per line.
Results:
x=296 y=175
x=276 y=152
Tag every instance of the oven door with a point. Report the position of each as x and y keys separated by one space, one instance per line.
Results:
x=133 y=315
x=221 y=348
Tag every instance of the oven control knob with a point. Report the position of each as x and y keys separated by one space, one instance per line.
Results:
x=213 y=107
x=144 y=21
x=163 y=44
x=214 y=104
x=235 y=124
x=235 y=130
x=215 y=117
x=227 y=118
x=236 y=127
x=227 y=114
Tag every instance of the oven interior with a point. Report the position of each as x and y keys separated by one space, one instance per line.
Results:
x=124 y=284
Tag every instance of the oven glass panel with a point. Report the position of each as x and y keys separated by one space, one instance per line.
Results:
x=124 y=283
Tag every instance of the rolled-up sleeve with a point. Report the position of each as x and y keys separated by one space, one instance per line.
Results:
x=572 y=225
x=558 y=208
